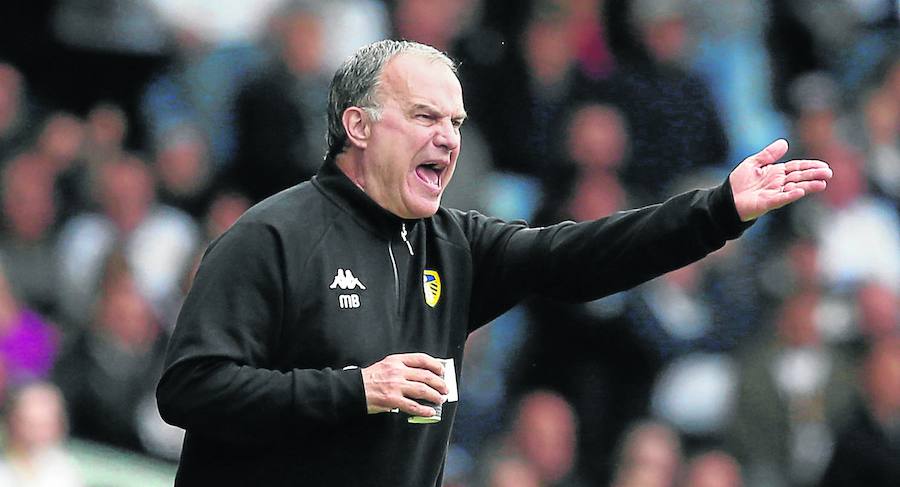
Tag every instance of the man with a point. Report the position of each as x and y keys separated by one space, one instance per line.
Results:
x=308 y=337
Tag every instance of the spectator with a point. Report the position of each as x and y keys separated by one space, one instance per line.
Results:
x=15 y=112
x=157 y=239
x=881 y=112
x=879 y=311
x=649 y=456
x=104 y=133
x=588 y=35
x=183 y=170
x=597 y=142
x=727 y=47
x=226 y=207
x=106 y=50
x=28 y=343
x=713 y=468
x=215 y=50
x=539 y=85
x=34 y=455
x=512 y=472
x=874 y=314
x=793 y=394
x=280 y=112
x=673 y=121
x=598 y=337
x=61 y=141
x=108 y=371
x=107 y=130
x=27 y=241
x=545 y=434
x=867 y=451
x=433 y=22
x=352 y=24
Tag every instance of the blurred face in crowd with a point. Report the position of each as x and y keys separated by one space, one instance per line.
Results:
x=665 y=38
x=879 y=308
x=882 y=118
x=513 y=472
x=61 y=139
x=107 y=127
x=127 y=191
x=410 y=152
x=125 y=314
x=302 y=37
x=797 y=324
x=432 y=22
x=28 y=204
x=851 y=184
x=714 y=469
x=597 y=137
x=224 y=210
x=37 y=418
x=882 y=379
x=548 y=51
x=182 y=165
x=651 y=456
x=546 y=435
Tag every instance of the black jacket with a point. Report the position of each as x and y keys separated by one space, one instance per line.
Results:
x=255 y=369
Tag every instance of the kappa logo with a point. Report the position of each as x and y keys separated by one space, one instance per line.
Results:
x=431 y=284
x=346 y=280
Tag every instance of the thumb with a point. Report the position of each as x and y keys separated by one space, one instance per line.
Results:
x=771 y=153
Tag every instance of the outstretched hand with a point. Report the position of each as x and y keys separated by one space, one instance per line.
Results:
x=760 y=184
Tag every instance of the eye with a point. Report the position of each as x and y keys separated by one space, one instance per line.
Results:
x=425 y=117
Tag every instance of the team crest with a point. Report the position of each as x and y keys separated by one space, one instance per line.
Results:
x=431 y=283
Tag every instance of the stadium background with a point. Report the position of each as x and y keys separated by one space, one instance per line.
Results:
x=132 y=132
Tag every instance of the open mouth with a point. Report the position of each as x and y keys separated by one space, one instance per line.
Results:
x=431 y=173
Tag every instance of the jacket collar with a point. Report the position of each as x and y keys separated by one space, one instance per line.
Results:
x=349 y=197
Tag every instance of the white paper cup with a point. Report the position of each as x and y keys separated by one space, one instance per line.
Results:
x=436 y=417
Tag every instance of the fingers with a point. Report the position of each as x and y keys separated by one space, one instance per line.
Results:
x=786 y=197
x=794 y=191
x=419 y=390
x=413 y=408
x=804 y=164
x=816 y=174
x=428 y=377
x=421 y=361
x=807 y=187
x=398 y=380
x=776 y=150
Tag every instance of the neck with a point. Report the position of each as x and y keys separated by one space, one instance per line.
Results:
x=352 y=167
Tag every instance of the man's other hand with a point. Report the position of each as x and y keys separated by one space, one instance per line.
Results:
x=760 y=184
x=398 y=380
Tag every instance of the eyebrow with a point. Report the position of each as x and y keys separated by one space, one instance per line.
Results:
x=423 y=106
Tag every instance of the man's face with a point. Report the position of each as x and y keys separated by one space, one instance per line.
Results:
x=411 y=152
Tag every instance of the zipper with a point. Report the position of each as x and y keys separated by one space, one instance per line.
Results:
x=403 y=235
x=396 y=276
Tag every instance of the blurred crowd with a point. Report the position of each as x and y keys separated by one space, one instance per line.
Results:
x=133 y=132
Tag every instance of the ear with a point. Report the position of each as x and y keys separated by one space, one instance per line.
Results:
x=358 y=127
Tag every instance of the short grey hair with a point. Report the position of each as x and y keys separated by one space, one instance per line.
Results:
x=357 y=80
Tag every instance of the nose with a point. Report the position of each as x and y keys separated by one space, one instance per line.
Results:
x=447 y=136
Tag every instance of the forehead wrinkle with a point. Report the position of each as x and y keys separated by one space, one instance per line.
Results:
x=398 y=85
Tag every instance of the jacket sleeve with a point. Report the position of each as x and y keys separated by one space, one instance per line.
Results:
x=588 y=260
x=217 y=380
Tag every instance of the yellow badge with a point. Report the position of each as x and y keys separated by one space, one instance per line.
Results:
x=431 y=283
